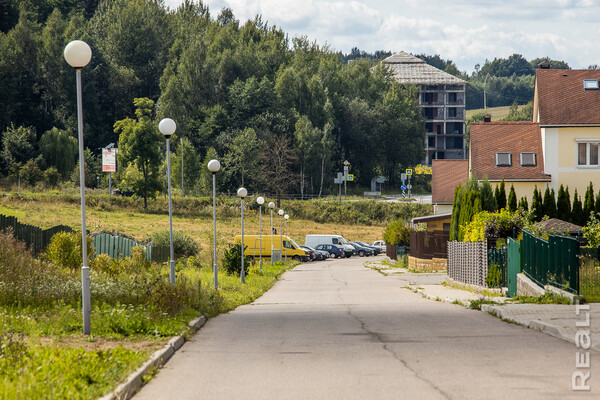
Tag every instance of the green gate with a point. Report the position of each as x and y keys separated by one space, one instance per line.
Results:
x=513 y=265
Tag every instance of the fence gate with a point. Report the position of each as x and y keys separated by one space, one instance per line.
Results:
x=513 y=265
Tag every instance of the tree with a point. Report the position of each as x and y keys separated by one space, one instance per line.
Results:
x=191 y=166
x=240 y=163
x=549 y=203
x=139 y=142
x=17 y=147
x=501 y=195
x=277 y=158
x=512 y=199
x=488 y=201
x=578 y=217
x=454 y=222
x=588 y=203
x=537 y=205
x=563 y=204
x=204 y=184
x=523 y=204
x=59 y=148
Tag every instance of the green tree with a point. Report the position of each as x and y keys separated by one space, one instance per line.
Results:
x=501 y=195
x=588 y=203
x=563 y=204
x=204 y=184
x=523 y=204
x=277 y=158
x=139 y=142
x=512 y=199
x=578 y=217
x=537 y=205
x=549 y=203
x=191 y=166
x=488 y=201
x=240 y=163
x=454 y=222
x=60 y=149
x=18 y=146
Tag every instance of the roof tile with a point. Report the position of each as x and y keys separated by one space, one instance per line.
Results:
x=446 y=175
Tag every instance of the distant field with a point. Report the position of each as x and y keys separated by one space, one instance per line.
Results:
x=497 y=113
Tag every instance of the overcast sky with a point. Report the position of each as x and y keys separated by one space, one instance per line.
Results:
x=467 y=32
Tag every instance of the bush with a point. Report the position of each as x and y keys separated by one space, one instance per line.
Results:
x=592 y=231
x=232 y=260
x=492 y=280
x=183 y=245
x=397 y=234
x=64 y=250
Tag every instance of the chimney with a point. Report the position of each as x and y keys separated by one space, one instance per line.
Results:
x=487 y=118
x=544 y=65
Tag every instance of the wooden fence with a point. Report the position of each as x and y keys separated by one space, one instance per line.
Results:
x=428 y=245
x=468 y=262
x=36 y=238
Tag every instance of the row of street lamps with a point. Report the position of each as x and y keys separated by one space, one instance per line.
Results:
x=78 y=54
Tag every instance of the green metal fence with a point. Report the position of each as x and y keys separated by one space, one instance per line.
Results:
x=553 y=261
x=36 y=238
x=498 y=257
x=120 y=246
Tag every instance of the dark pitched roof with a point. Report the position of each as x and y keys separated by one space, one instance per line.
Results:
x=410 y=69
x=560 y=99
x=558 y=226
x=446 y=175
x=488 y=138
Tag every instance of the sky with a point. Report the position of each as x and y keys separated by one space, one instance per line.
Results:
x=466 y=32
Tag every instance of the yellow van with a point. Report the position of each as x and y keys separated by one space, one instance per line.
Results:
x=254 y=248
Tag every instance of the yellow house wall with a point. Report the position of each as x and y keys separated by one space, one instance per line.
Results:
x=560 y=158
x=437 y=225
x=522 y=189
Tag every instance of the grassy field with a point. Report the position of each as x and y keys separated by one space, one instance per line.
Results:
x=497 y=113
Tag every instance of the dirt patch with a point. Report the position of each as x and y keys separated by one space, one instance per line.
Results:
x=94 y=344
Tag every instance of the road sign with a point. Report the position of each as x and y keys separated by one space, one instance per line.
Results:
x=109 y=160
x=409 y=186
x=409 y=171
x=403 y=187
x=403 y=177
x=350 y=177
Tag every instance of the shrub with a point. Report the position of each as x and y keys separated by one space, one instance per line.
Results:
x=232 y=260
x=397 y=234
x=592 y=231
x=183 y=244
x=64 y=250
x=492 y=280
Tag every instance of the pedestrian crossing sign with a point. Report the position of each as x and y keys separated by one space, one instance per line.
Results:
x=409 y=171
x=350 y=177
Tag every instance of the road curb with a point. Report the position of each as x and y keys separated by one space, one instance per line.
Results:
x=157 y=360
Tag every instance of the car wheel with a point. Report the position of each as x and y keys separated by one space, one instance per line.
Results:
x=332 y=255
x=296 y=258
x=361 y=253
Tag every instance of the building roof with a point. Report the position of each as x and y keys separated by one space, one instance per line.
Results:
x=447 y=175
x=410 y=69
x=555 y=225
x=514 y=137
x=560 y=98
x=431 y=218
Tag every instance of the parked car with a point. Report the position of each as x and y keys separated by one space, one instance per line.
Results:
x=362 y=251
x=320 y=255
x=123 y=192
x=313 y=240
x=376 y=250
x=334 y=250
x=380 y=244
x=311 y=252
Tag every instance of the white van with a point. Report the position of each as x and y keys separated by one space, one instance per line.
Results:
x=314 y=240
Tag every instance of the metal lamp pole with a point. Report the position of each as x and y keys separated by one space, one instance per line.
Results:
x=78 y=54
x=214 y=166
x=286 y=217
x=181 y=144
x=271 y=206
x=242 y=193
x=260 y=200
x=167 y=128
x=280 y=212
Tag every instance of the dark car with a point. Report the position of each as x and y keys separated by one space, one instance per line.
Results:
x=376 y=250
x=123 y=192
x=362 y=251
x=334 y=250
x=319 y=255
x=311 y=252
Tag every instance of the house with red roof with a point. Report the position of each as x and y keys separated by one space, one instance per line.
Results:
x=566 y=105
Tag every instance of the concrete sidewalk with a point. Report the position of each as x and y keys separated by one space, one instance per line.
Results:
x=557 y=320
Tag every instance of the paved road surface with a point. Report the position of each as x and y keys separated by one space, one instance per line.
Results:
x=337 y=330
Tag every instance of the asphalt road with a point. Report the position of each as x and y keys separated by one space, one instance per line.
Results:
x=337 y=330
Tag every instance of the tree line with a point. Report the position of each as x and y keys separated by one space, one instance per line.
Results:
x=280 y=114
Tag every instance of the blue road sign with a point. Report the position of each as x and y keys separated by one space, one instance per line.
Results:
x=403 y=187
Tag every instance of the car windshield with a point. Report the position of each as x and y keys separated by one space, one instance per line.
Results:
x=342 y=240
x=296 y=245
x=362 y=243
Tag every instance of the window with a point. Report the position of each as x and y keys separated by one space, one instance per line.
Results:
x=587 y=154
x=527 y=159
x=503 y=159
x=452 y=98
x=591 y=84
x=451 y=112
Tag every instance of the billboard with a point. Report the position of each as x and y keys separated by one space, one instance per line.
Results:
x=109 y=160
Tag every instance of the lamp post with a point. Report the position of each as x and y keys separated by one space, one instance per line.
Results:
x=271 y=206
x=280 y=212
x=346 y=163
x=181 y=144
x=242 y=193
x=260 y=200
x=286 y=217
x=78 y=54
x=214 y=166
x=167 y=127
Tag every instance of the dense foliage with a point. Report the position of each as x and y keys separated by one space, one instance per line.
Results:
x=281 y=114
x=396 y=233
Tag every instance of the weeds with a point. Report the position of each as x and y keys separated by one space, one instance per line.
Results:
x=476 y=304
x=546 y=298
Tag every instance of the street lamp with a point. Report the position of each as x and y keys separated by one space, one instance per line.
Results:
x=78 y=54
x=346 y=163
x=260 y=200
x=280 y=212
x=167 y=127
x=214 y=166
x=242 y=193
x=286 y=217
x=271 y=206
